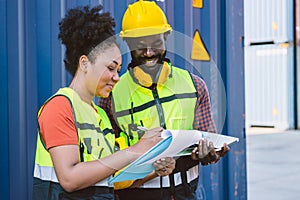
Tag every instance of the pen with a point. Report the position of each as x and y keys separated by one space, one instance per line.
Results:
x=142 y=128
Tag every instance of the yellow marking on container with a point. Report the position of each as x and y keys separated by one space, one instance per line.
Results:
x=199 y=51
x=197 y=3
x=275 y=26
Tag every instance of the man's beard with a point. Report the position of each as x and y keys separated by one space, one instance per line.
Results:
x=140 y=61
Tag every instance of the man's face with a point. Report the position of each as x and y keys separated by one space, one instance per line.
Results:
x=147 y=51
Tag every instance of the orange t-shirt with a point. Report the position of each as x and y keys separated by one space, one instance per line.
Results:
x=56 y=123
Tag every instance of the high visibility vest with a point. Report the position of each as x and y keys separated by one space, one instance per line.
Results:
x=169 y=105
x=95 y=137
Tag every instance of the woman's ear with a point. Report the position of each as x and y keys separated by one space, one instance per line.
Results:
x=83 y=60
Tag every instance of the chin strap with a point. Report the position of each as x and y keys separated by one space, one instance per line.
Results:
x=145 y=79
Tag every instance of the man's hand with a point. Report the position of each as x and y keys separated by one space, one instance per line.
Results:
x=224 y=150
x=206 y=153
x=164 y=166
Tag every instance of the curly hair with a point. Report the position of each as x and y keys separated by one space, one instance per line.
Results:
x=82 y=30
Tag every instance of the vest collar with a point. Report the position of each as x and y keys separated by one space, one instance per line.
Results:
x=144 y=79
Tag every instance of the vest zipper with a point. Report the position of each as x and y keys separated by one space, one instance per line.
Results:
x=159 y=108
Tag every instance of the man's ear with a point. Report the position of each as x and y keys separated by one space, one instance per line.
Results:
x=83 y=60
x=125 y=40
x=166 y=34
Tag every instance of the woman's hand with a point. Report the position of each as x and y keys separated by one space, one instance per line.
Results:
x=149 y=139
x=164 y=166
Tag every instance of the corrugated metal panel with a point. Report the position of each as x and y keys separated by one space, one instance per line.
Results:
x=268 y=20
x=4 y=148
x=235 y=91
x=22 y=95
x=269 y=86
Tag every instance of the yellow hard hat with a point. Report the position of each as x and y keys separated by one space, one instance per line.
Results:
x=144 y=18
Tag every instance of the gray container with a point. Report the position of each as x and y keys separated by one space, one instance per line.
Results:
x=269 y=86
x=298 y=83
x=297 y=22
x=297 y=30
x=268 y=21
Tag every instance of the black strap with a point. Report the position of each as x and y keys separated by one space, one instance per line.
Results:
x=153 y=102
x=161 y=186
x=81 y=149
x=183 y=164
x=172 y=183
x=185 y=185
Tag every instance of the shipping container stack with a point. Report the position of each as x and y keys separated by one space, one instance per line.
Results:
x=269 y=64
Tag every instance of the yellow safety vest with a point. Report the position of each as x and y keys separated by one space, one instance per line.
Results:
x=94 y=130
x=170 y=105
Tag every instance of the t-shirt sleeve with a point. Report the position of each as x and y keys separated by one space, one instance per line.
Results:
x=56 y=123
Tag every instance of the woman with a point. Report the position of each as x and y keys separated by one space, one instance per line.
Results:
x=74 y=156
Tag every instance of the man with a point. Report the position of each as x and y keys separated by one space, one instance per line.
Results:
x=155 y=93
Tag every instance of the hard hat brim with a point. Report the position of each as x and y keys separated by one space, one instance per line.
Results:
x=146 y=31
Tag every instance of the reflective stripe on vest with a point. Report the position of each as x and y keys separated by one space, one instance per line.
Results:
x=168 y=105
x=94 y=135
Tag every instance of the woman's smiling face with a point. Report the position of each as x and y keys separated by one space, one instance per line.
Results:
x=103 y=73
